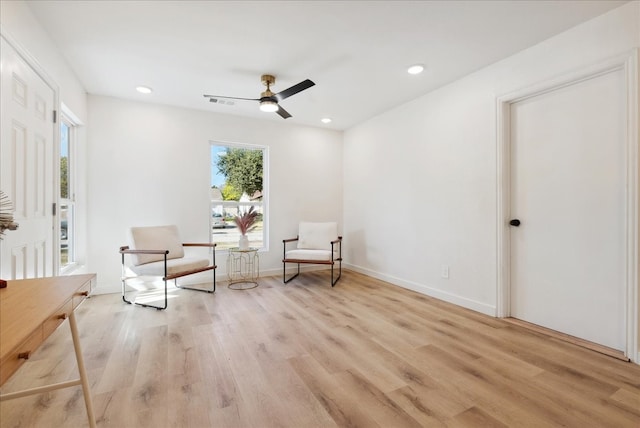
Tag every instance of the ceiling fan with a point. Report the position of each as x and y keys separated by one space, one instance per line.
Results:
x=268 y=100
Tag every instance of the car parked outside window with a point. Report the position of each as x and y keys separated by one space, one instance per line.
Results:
x=218 y=221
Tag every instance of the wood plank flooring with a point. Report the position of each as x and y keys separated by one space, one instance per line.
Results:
x=363 y=354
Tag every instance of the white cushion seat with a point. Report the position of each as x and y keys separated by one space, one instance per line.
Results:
x=317 y=255
x=155 y=237
x=316 y=236
x=174 y=266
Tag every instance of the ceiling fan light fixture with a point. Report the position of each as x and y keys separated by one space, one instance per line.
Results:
x=268 y=106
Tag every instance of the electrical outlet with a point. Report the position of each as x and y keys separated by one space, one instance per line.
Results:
x=445 y=271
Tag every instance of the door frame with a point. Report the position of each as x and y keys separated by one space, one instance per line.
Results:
x=35 y=65
x=628 y=63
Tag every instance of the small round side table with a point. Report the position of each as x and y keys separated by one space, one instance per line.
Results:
x=243 y=268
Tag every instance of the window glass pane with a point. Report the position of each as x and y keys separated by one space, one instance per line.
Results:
x=66 y=203
x=66 y=235
x=237 y=176
x=64 y=161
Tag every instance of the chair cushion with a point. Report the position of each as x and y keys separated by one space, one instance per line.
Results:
x=155 y=238
x=317 y=255
x=174 y=266
x=317 y=236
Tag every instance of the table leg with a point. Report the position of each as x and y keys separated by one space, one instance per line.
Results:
x=83 y=374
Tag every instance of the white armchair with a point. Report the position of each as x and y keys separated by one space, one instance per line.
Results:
x=159 y=251
x=317 y=243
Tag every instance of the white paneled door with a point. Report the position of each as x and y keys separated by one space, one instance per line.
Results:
x=27 y=133
x=568 y=166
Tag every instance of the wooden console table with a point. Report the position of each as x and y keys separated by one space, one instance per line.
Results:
x=30 y=310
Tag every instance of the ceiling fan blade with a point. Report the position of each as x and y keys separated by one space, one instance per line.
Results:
x=231 y=98
x=283 y=113
x=294 y=89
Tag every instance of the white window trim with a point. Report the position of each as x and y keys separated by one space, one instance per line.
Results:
x=67 y=116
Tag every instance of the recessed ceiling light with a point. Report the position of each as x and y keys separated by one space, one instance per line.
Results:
x=144 y=89
x=325 y=120
x=415 y=69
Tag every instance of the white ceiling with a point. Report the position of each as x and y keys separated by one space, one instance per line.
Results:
x=356 y=52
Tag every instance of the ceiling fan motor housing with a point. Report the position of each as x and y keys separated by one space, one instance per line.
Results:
x=268 y=79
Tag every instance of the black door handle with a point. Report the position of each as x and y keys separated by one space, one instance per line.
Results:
x=515 y=222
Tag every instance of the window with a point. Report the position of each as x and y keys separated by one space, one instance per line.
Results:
x=66 y=196
x=238 y=182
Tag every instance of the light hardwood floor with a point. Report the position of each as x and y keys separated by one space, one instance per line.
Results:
x=363 y=354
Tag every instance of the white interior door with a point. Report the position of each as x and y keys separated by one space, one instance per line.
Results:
x=568 y=166
x=27 y=134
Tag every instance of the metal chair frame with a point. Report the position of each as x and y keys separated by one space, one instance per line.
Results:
x=331 y=262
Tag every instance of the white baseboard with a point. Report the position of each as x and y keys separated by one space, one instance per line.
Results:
x=429 y=291
x=113 y=286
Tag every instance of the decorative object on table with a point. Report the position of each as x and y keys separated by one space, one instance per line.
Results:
x=6 y=214
x=6 y=221
x=246 y=223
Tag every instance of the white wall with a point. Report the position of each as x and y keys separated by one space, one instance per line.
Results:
x=420 y=180
x=21 y=25
x=150 y=165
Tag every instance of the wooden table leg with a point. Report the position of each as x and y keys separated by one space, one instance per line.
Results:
x=83 y=374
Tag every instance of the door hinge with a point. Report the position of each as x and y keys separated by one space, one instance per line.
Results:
x=55 y=116
x=53 y=209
